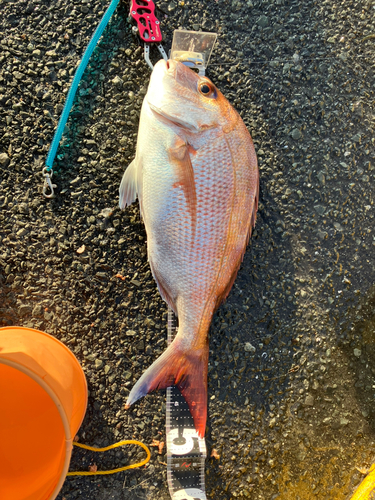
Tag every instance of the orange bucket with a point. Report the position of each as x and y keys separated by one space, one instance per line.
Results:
x=43 y=398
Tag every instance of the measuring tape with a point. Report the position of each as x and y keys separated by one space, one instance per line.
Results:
x=186 y=451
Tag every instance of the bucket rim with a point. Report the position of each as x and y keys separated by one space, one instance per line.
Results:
x=60 y=408
x=48 y=335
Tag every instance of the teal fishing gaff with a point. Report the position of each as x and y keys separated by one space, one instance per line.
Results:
x=47 y=170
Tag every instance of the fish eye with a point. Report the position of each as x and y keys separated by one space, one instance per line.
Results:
x=207 y=89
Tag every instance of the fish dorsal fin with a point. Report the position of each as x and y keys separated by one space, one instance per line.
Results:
x=179 y=155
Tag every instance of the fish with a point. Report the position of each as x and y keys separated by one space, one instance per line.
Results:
x=195 y=174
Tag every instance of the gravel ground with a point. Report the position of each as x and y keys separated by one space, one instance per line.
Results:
x=292 y=351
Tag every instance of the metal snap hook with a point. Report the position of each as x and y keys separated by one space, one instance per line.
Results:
x=48 y=183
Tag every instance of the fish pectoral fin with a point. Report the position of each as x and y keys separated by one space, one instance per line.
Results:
x=179 y=155
x=128 y=188
x=185 y=369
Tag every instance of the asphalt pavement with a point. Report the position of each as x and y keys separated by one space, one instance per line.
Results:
x=292 y=350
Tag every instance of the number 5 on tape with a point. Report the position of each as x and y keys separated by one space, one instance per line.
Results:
x=191 y=440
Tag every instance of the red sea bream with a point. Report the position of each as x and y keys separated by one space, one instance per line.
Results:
x=196 y=177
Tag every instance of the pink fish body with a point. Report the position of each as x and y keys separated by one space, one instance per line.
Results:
x=196 y=176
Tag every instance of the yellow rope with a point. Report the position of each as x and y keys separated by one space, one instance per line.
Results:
x=116 y=445
x=367 y=487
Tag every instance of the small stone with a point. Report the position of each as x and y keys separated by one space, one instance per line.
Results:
x=262 y=21
x=309 y=400
x=321 y=178
x=24 y=310
x=107 y=369
x=344 y=421
x=37 y=311
x=320 y=209
x=356 y=138
x=118 y=82
x=98 y=364
x=149 y=322
x=18 y=75
x=90 y=357
x=127 y=375
x=37 y=53
x=249 y=347
x=141 y=345
x=22 y=232
x=296 y=134
x=357 y=353
x=272 y=423
x=4 y=159
x=48 y=315
x=322 y=234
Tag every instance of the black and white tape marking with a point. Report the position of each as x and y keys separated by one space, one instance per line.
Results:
x=186 y=451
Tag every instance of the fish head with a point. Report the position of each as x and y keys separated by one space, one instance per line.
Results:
x=179 y=95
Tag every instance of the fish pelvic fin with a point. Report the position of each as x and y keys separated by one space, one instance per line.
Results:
x=128 y=188
x=187 y=370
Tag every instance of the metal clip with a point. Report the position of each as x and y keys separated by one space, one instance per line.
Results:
x=48 y=183
x=147 y=54
x=162 y=51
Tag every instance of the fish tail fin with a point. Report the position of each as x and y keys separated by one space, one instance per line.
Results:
x=128 y=186
x=187 y=370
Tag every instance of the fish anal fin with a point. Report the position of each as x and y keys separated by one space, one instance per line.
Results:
x=162 y=287
x=221 y=298
x=185 y=369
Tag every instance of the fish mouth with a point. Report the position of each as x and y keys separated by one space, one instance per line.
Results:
x=168 y=65
x=173 y=120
